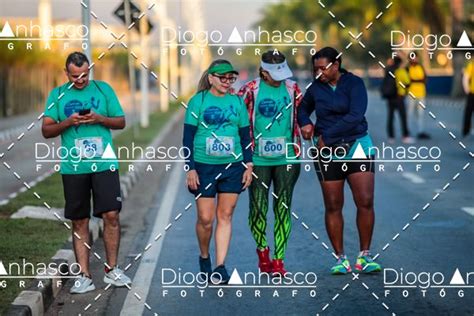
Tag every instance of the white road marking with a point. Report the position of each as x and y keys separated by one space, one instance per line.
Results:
x=413 y=177
x=468 y=210
x=143 y=277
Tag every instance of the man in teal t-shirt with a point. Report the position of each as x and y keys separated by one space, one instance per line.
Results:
x=83 y=112
x=84 y=145
x=221 y=117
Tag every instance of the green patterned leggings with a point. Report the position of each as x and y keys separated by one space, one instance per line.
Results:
x=283 y=184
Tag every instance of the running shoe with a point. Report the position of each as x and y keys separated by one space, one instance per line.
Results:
x=366 y=264
x=342 y=266
x=82 y=285
x=408 y=140
x=423 y=135
x=116 y=277
x=264 y=263
x=220 y=275
x=205 y=266
x=278 y=268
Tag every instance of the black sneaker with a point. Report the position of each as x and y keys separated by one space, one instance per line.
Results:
x=423 y=135
x=206 y=268
x=220 y=275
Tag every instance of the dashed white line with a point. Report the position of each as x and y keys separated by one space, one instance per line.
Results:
x=468 y=210
x=413 y=177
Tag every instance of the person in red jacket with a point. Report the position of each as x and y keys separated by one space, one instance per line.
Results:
x=272 y=100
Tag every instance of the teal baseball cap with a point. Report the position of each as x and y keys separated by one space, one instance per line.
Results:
x=222 y=69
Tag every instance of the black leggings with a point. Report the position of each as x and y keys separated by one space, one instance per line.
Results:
x=397 y=104
x=468 y=110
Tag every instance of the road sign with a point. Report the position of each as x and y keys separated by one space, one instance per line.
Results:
x=134 y=14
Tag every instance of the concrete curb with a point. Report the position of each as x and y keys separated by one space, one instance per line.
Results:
x=27 y=303
x=36 y=301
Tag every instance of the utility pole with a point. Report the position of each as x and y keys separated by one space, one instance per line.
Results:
x=199 y=59
x=131 y=68
x=173 y=61
x=86 y=42
x=144 y=45
x=45 y=21
x=164 y=62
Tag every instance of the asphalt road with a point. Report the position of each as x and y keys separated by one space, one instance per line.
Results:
x=420 y=245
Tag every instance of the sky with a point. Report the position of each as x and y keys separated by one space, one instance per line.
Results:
x=217 y=13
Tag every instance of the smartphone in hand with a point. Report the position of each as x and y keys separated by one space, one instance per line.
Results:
x=84 y=111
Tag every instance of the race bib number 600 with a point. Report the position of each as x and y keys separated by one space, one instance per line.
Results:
x=223 y=147
x=271 y=146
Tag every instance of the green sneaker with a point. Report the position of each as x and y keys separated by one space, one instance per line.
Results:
x=342 y=266
x=366 y=264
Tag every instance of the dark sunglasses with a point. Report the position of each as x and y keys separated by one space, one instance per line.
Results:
x=225 y=79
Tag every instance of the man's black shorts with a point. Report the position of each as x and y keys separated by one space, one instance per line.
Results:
x=105 y=189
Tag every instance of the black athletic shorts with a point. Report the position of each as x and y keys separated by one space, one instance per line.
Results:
x=105 y=189
x=339 y=170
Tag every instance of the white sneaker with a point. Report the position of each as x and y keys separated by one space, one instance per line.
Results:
x=117 y=277
x=82 y=285
x=408 y=140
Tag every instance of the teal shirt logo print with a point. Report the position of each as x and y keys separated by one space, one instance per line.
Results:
x=219 y=117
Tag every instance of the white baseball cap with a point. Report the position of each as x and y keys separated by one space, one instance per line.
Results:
x=279 y=71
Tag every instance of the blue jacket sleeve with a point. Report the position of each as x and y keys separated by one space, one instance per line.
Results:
x=357 y=108
x=306 y=108
x=188 y=141
x=246 y=142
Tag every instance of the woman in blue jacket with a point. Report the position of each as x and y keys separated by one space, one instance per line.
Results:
x=343 y=144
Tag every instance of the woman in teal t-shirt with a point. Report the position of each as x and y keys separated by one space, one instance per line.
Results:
x=216 y=131
x=271 y=101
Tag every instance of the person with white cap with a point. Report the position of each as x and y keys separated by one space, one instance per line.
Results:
x=272 y=101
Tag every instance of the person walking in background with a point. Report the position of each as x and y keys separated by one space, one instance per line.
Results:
x=272 y=101
x=390 y=91
x=417 y=88
x=401 y=76
x=468 y=85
